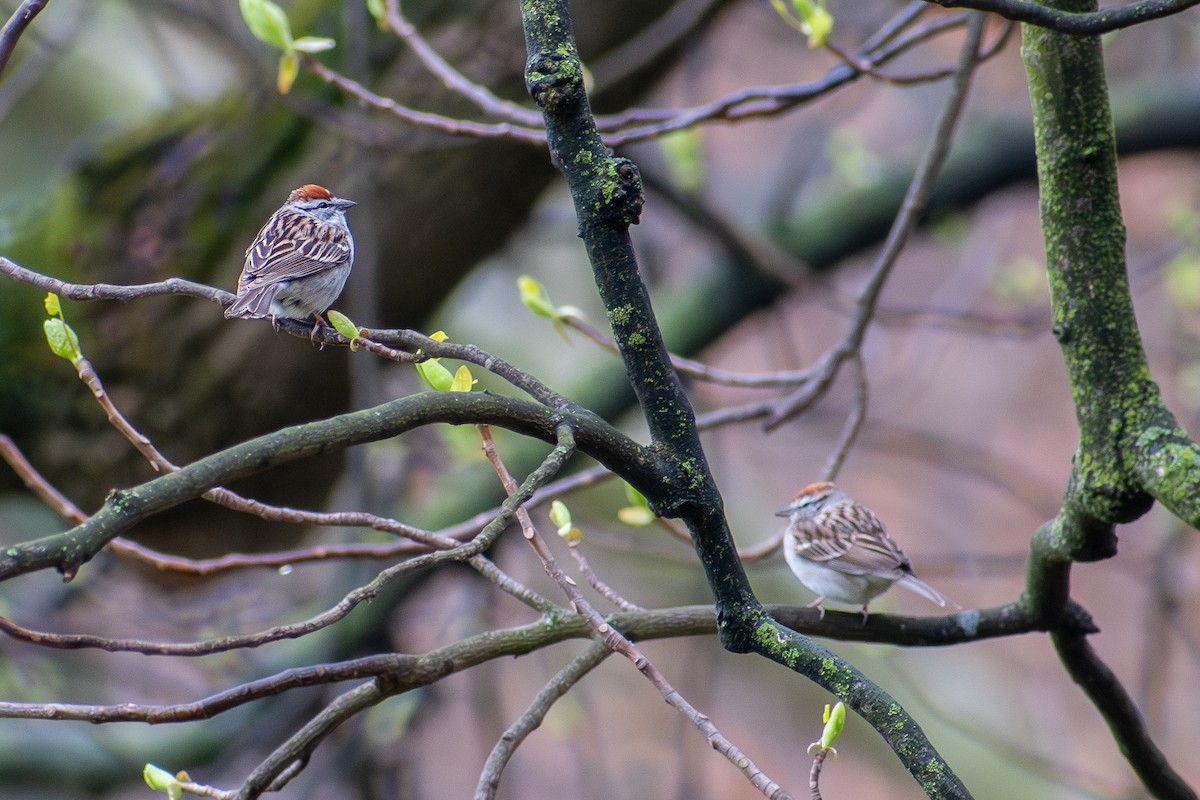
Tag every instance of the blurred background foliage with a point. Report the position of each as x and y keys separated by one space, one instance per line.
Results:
x=143 y=140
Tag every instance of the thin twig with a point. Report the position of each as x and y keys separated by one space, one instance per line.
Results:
x=617 y=642
x=916 y=200
x=454 y=80
x=853 y=423
x=603 y=589
x=464 y=552
x=862 y=65
x=288 y=760
x=458 y=533
x=760 y=101
x=522 y=726
x=695 y=369
x=447 y=125
x=814 y=774
x=749 y=103
x=408 y=339
x=37 y=483
x=470 y=552
x=236 y=502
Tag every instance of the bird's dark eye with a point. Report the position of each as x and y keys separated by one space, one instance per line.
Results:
x=322 y=204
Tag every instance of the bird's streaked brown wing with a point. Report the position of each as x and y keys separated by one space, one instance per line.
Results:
x=855 y=546
x=292 y=246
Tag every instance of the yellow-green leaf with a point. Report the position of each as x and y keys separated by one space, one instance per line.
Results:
x=53 y=306
x=635 y=516
x=343 y=325
x=379 y=12
x=835 y=720
x=560 y=515
x=62 y=340
x=807 y=16
x=267 y=22
x=818 y=25
x=160 y=779
x=313 y=44
x=536 y=298
x=437 y=376
x=289 y=68
x=635 y=498
x=463 y=380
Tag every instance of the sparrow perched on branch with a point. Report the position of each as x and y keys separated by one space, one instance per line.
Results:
x=839 y=550
x=299 y=262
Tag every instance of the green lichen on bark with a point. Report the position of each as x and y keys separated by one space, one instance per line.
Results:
x=1085 y=259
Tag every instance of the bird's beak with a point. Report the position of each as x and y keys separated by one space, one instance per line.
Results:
x=347 y=203
x=784 y=512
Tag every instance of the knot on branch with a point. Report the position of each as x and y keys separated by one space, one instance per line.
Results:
x=554 y=80
x=628 y=197
x=616 y=194
x=733 y=630
x=1088 y=538
x=1078 y=621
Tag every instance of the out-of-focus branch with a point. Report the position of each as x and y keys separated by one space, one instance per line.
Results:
x=448 y=125
x=522 y=726
x=1079 y=22
x=916 y=200
x=480 y=95
x=10 y=34
x=1124 y=719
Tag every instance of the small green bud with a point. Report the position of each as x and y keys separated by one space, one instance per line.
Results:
x=160 y=779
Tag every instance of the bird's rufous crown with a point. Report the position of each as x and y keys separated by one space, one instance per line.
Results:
x=815 y=488
x=310 y=191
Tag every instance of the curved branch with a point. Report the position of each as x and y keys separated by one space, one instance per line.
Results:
x=527 y=723
x=16 y=25
x=912 y=209
x=1125 y=431
x=125 y=507
x=607 y=197
x=274 y=773
x=1080 y=23
x=409 y=340
x=1124 y=719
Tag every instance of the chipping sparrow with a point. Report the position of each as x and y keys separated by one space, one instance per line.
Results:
x=840 y=550
x=297 y=265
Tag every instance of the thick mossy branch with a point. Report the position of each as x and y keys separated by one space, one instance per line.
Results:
x=607 y=193
x=1116 y=401
x=898 y=729
x=126 y=507
x=1130 y=447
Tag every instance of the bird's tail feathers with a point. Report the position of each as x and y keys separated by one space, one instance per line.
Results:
x=915 y=584
x=254 y=303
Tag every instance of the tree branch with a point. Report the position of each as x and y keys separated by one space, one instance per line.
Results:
x=607 y=197
x=1126 y=722
x=528 y=722
x=16 y=25
x=1117 y=404
x=125 y=507
x=1057 y=19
